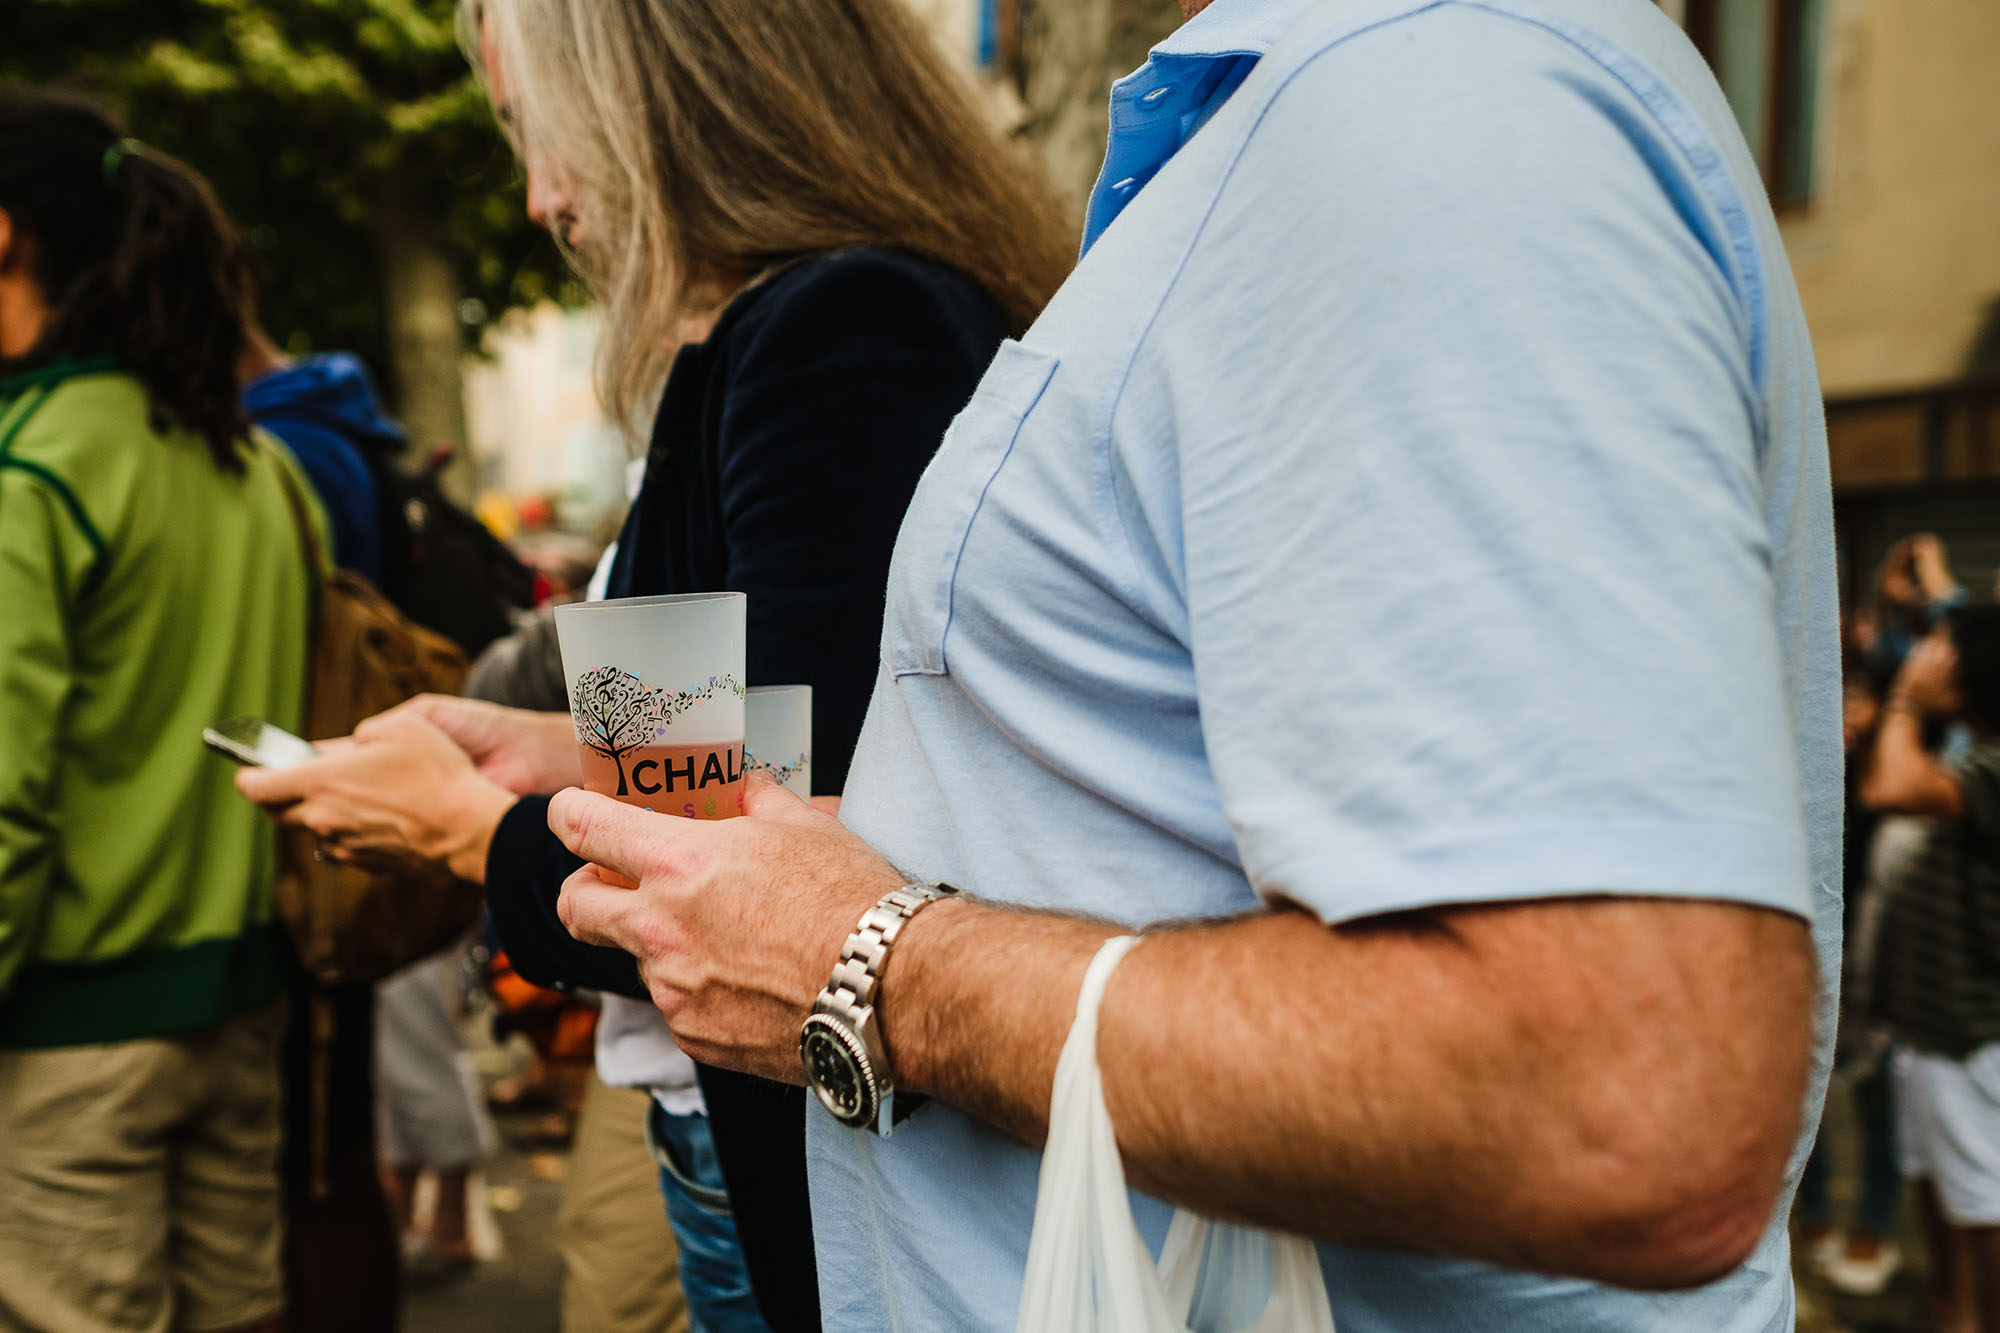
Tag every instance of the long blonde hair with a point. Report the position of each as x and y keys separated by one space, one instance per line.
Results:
x=713 y=139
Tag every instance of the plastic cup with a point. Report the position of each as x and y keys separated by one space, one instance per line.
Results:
x=656 y=697
x=779 y=735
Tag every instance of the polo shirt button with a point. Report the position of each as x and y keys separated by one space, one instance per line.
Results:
x=1157 y=94
x=1125 y=186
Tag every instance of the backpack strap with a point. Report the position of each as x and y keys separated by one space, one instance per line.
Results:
x=322 y=1023
x=317 y=565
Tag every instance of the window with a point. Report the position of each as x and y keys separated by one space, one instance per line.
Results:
x=1765 y=53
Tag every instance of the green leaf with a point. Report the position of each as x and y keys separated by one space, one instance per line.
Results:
x=299 y=112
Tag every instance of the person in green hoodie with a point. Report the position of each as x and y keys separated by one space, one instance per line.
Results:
x=153 y=579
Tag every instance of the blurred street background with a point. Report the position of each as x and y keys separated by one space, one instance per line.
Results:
x=357 y=151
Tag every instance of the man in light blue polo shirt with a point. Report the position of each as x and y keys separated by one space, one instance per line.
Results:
x=1406 y=538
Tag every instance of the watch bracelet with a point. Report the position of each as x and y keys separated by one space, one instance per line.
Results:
x=850 y=993
x=866 y=951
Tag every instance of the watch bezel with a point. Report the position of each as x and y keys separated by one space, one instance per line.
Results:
x=855 y=1049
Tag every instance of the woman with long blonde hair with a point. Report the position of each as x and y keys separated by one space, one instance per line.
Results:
x=683 y=148
x=807 y=244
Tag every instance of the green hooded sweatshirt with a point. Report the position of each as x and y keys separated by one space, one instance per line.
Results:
x=144 y=594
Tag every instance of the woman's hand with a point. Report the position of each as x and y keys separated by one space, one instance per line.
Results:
x=527 y=752
x=736 y=923
x=400 y=791
x=1931 y=568
x=1928 y=682
x=1896 y=580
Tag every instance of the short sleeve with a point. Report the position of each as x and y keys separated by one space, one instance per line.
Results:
x=1472 y=542
x=1979 y=785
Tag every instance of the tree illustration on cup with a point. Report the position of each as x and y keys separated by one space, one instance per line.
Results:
x=675 y=702
x=615 y=714
x=782 y=774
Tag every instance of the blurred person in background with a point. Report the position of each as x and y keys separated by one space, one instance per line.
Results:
x=431 y=1111
x=1861 y=1257
x=154 y=580
x=341 y=1250
x=1914 y=589
x=326 y=411
x=1937 y=979
x=798 y=221
x=391 y=521
x=621 y=1264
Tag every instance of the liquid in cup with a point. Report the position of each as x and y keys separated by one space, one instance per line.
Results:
x=656 y=700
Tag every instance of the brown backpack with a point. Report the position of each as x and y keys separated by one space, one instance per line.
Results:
x=349 y=924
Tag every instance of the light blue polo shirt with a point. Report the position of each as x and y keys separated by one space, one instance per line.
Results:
x=1418 y=495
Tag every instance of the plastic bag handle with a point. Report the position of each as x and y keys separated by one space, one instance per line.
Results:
x=1096 y=979
x=1090 y=1271
x=1084 y=1239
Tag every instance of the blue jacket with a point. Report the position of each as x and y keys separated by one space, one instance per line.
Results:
x=325 y=410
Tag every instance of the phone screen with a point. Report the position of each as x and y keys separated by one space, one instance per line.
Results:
x=252 y=740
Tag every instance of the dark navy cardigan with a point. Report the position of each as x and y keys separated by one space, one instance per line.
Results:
x=784 y=453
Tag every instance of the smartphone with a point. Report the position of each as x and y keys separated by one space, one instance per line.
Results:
x=253 y=741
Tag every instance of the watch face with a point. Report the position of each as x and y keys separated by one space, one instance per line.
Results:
x=837 y=1067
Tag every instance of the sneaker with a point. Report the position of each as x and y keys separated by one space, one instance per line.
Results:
x=1864 y=1277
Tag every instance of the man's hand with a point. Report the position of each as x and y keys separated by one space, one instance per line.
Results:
x=527 y=752
x=736 y=923
x=1606 y=1088
x=400 y=792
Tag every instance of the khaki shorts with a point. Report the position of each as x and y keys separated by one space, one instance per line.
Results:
x=139 y=1183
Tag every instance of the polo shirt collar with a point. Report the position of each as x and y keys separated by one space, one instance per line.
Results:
x=1185 y=80
x=1232 y=28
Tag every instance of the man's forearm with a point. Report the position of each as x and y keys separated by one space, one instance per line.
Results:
x=1603 y=1088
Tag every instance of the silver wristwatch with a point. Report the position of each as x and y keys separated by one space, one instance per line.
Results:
x=841 y=1042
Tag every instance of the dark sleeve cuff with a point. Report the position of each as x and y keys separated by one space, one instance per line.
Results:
x=525 y=870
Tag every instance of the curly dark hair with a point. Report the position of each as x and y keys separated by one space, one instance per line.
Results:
x=1975 y=634
x=134 y=258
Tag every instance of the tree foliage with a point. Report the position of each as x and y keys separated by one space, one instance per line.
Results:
x=326 y=126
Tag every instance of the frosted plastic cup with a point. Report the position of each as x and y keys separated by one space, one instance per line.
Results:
x=779 y=735
x=656 y=697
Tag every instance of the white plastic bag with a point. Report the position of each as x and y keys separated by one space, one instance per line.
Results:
x=1089 y=1270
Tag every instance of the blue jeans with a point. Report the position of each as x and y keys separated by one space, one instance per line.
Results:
x=713 y=1277
x=1881 y=1175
